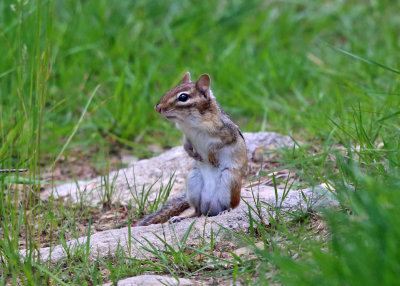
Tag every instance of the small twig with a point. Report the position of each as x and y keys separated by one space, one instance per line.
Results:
x=13 y=170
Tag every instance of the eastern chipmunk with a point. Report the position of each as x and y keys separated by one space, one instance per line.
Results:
x=216 y=144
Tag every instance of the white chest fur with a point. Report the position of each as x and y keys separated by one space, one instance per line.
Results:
x=200 y=140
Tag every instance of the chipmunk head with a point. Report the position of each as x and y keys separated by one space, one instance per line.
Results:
x=188 y=101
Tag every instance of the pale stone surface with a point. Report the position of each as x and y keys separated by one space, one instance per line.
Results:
x=247 y=250
x=153 y=280
x=105 y=243
x=147 y=171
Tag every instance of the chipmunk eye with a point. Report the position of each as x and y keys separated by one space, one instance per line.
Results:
x=183 y=97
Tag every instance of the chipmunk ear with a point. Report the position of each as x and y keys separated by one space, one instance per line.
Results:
x=203 y=83
x=186 y=78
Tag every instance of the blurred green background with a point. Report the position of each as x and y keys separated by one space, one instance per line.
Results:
x=275 y=65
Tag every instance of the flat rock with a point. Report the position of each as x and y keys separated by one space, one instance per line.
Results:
x=134 y=240
x=152 y=280
x=156 y=170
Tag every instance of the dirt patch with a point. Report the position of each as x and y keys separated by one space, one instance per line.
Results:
x=83 y=165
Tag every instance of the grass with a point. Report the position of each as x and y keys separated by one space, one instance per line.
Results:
x=78 y=76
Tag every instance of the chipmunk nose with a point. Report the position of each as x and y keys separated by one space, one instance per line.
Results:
x=157 y=108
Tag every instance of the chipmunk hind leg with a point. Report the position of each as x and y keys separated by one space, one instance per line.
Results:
x=228 y=188
x=212 y=207
x=225 y=196
x=234 y=183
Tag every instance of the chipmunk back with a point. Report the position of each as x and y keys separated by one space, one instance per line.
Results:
x=213 y=140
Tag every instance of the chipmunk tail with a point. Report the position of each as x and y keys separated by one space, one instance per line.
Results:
x=173 y=207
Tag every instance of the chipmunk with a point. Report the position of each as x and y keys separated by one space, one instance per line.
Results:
x=216 y=144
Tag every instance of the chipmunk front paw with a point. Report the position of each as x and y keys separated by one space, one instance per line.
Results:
x=213 y=160
x=197 y=157
x=193 y=154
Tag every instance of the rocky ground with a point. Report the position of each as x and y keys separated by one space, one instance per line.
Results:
x=114 y=195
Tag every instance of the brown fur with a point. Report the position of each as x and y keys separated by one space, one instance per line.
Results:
x=202 y=113
x=235 y=192
x=212 y=158
x=173 y=207
x=201 y=104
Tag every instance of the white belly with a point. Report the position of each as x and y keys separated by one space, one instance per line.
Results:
x=216 y=181
x=216 y=184
x=210 y=176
